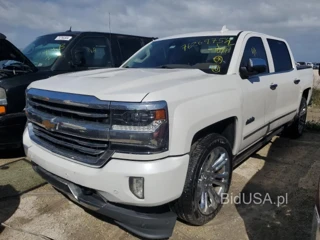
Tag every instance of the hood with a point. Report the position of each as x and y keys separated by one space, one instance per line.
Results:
x=9 y=52
x=120 y=84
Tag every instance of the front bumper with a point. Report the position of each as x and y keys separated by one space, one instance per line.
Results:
x=11 y=130
x=152 y=223
x=163 y=182
x=163 y=179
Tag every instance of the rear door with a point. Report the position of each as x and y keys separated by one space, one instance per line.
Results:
x=129 y=45
x=284 y=81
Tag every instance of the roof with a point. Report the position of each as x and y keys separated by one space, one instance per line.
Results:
x=2 y=36
x=204 y=34
x=92 y=32
x=214 y=33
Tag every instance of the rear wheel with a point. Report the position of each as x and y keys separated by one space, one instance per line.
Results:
x=208 y=178
x=299 y=124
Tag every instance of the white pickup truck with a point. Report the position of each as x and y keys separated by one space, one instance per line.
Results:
x=158 y=138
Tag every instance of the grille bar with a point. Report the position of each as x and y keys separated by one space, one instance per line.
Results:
x=46 y=106
x=81 y=129
x=64 y=137
x=70 y=153
x=71 y=125
x=67 y=144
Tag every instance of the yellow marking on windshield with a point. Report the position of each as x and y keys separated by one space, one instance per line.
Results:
x=219 y=42
x=254 y=51
x=215 y=68
x=218 y=59
x=220 y=50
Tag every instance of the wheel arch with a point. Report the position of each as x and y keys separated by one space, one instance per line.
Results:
x=226 y=127
x=307 y=94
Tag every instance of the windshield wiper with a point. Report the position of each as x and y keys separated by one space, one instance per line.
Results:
x=172 y=66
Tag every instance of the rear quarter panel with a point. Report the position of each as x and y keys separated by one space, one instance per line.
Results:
x=306 y=77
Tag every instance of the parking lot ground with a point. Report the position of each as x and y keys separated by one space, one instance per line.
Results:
x=284 y=168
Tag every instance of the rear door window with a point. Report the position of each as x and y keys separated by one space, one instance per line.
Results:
x=129 y=46
x=280 y=54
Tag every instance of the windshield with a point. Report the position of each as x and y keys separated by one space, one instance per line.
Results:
x=211 y=54
x=44 y=51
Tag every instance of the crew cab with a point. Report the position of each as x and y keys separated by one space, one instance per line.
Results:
x=159 y=137
x=47 y=56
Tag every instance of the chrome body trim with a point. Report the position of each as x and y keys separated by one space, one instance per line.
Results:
x=71 y=125
x=78 y=127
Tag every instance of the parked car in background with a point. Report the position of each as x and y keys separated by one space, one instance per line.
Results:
x=159 y=137
x=302 y=63
x=2 y=64
x=51 y=55
x=316 y=218
x=310 y=64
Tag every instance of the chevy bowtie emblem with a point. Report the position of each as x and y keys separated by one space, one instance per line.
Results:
x=48 y=124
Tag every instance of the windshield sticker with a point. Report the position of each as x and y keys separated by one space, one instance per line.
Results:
x=172 y=46
x=215 y=68
x=218 y=59
x=218 y=50
x=63 y=38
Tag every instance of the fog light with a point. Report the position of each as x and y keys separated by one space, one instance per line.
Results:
x=136 y=185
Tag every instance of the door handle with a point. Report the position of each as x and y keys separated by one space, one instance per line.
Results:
x=273 y=86
x=296 y=81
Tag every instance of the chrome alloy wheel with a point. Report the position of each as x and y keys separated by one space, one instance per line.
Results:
x=302 y=117
x=213 y=180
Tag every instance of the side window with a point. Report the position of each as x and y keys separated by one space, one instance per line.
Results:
x=93 y=51
x=129 y=46
x=254 y=49
x=115 y=48
x=280 y=54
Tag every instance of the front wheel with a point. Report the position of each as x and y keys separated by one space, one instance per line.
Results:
x=208 y=179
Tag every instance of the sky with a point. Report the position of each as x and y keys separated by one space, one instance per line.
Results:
x=296 y=21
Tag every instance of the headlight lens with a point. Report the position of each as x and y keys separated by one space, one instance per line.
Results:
x=3 y=96
x=139 y=127
x=3 y=101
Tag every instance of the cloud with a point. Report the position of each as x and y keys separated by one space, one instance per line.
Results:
x=291 y=19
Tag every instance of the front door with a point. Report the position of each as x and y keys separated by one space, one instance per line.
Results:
x=257 y=104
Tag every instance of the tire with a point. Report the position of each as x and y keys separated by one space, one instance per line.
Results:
x=298 y=126
x=199 y=184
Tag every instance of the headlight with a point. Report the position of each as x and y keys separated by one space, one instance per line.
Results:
x=3 y=101
x=139 y=127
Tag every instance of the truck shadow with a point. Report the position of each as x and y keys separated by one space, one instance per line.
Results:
x=8 y=205
x=290 y=174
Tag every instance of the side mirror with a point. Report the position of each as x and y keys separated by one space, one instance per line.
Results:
x=256 y=65
x=253 y=67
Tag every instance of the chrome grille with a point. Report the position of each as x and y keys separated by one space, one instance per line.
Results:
x=71 y=125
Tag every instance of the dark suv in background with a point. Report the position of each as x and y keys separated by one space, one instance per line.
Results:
x=50 y=55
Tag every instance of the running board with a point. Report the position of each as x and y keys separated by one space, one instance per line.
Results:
x=247 y=153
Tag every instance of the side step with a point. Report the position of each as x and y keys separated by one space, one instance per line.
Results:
x=239 y=159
